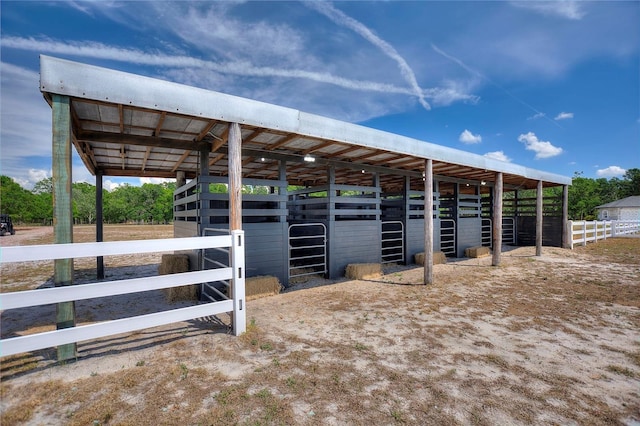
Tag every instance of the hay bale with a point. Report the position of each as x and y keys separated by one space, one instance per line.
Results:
x=261 y=286
x=475 y=252
x=438 y=258
x=175 y=264
x=363 y=271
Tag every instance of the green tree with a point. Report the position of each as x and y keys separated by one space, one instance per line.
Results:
x=84 y=202
x=15 y=200
x=631 y=183
x=43 y=201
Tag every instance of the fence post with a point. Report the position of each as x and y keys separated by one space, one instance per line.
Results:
x=570 y=238
x=238 y=282
x=584 y=232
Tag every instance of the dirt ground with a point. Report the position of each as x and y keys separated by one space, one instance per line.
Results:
x=538 y=340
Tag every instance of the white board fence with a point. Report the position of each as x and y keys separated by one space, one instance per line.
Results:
x=583 y=231
x=22 y=299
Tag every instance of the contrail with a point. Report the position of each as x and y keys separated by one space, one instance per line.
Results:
x=102 y=51
x=484 y=77
x=340 y=18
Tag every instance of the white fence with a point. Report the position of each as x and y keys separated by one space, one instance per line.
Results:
x=22 y=299
x=584 y=231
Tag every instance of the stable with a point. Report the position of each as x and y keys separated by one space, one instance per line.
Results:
x=312 y=194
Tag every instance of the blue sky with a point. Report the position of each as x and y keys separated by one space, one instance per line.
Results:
x=553 y=86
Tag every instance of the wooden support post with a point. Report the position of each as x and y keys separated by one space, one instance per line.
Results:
x=181 y=179
x=497 y=220
x=428 y=221
x=566 y=231
x=235 y=224
x=63 y=213
x=539 y=214
x=235 y=177
x=99 y=224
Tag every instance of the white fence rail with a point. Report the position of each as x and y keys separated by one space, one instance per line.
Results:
x=583 y=231
x=22 y=299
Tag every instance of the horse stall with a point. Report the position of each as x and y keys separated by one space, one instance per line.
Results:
x=350 y=215
x=201 y=208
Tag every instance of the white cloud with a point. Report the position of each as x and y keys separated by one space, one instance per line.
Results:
x=543 y=149
x=144 y=180
x=567 y=9
x=469 y=138
x=109 y=185
x=611 y=171
x=340 y=18
x=564 y=116
x=26 y=117
x=36 y=175
x=537 y=116
x=497 y=155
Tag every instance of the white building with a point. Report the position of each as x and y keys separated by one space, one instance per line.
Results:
x=624 y=209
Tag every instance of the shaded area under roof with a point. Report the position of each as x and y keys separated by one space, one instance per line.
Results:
x=130 y=125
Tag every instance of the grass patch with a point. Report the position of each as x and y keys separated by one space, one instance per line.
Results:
x=618 y=369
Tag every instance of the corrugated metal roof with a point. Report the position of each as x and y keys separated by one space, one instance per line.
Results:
x=129 y=125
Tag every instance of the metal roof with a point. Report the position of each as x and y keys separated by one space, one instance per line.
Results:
x=633 y=201
x=130 y=125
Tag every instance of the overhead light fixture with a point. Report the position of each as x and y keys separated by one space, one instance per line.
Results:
x=363 y=171
x=262 y=159
x=483 y=182
x=309 y=158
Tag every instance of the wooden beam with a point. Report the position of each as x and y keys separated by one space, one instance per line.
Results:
x=283 y=141
x=317 y=147
x=158 y=129
x=116 y=171
x=215 y=159
x=146 y=157
x=221 y=140
x=235 y=177
x=62 y=213
x=539 y=214
x=207 y=128
x=428 y=221
x=497 y=220
x=180 y=160
x=115 y=138
x=345 y=151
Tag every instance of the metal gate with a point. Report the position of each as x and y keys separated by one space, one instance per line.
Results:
x=448 y=237
x=392 y=242
x=487 y=232
x=509 y=230
x=214 y=258
x=307 y=249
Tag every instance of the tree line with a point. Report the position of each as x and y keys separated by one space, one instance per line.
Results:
x=153 y=203
x=149 y=203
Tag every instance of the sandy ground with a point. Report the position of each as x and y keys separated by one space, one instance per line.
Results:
x=539 y=340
